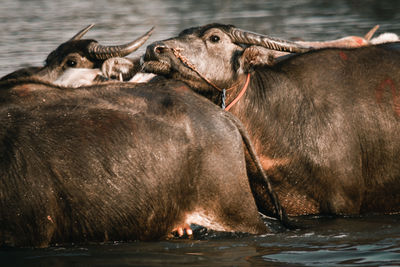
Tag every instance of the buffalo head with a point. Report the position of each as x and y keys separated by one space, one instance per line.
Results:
x=212 y=53
x=78 y=54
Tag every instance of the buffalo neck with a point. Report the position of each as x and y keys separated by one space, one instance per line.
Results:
x=233 y=92
x=270 y=109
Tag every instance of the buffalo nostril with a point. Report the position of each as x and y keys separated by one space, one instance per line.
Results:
x=159 y=49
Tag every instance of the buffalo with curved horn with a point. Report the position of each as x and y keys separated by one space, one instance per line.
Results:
x=324 y=123
x=77 y=53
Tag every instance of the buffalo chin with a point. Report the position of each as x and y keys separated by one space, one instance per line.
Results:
x=180 y=73
x=157 y=67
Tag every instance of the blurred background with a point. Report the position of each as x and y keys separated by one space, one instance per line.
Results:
x=30 y=29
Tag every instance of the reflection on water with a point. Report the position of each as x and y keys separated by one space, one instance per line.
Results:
x=32 y=28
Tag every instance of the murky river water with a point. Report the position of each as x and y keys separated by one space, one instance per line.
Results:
x=30 y=29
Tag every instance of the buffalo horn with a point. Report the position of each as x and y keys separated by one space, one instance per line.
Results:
x=103 y=52
x=81 y=33
x=371 y=33
x=251 y=38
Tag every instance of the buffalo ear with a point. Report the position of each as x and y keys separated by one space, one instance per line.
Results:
x=256 y=55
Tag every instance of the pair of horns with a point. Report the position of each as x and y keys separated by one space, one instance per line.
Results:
x=251 y=38
x=103 y=52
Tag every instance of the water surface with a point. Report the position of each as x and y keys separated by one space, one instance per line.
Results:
x=362 y=241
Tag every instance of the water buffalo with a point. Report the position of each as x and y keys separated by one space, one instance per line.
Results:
x=118 y=161
x=80 y=54
x=325 y=123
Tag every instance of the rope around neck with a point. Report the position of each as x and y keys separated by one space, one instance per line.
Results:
x=184 y=60
x=240 y=94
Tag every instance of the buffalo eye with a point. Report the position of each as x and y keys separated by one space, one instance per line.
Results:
x=214 y=38
x=71 y=63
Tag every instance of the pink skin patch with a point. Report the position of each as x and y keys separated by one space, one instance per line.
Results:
x=395 y=94
x=343 y=55
x=359 y=40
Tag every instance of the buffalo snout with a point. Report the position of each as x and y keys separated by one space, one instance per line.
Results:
x=160 y=48
x=155 y=49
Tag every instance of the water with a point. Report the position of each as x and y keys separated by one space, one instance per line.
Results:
x=30 y=29
x=373 y=241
